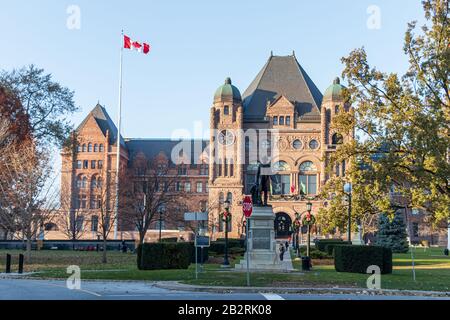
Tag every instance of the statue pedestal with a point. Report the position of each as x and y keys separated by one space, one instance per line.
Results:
x=262 y=245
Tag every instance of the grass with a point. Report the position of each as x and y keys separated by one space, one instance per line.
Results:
x=432 y=271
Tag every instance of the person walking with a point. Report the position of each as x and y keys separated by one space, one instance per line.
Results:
x=287 y=246
x=282 y=250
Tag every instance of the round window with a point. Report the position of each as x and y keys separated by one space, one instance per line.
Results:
x=297 y=144
x=313 y=144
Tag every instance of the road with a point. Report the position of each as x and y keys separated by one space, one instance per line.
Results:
x=25 y=289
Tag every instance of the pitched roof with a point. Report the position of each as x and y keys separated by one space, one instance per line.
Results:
x=104 y=122
x=282 y=75
x=153 y=147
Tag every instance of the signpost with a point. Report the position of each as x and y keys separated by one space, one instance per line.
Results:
x=201 y=241
x=247 y=208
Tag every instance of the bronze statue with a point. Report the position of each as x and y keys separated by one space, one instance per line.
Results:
x=261 y=185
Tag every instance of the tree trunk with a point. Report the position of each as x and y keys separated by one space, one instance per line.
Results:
x=28 y=250
x=141 y=241
x=104 y=260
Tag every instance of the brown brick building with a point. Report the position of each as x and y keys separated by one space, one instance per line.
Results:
x=281 y=119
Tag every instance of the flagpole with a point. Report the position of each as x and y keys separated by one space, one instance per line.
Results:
x=119 y=121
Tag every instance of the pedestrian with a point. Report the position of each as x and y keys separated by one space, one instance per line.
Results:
x=124 y=247
x=282 y=250
x=287 y=245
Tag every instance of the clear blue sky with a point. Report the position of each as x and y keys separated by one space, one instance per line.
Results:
x=195 y=45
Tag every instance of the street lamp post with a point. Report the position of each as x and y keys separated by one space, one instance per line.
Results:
x=226 y=206
x=308 y=244
x=161 y=211
x=348 y=192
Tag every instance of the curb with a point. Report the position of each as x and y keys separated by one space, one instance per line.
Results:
x=177 y=286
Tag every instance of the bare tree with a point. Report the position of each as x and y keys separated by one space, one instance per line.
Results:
x=150 y=185
x=105 y=198
x=29 y=192
x=70 y=214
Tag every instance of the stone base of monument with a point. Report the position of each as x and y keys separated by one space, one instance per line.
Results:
x=262 y=246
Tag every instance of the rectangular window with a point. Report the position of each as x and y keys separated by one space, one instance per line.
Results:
x=94 y=224
x=179 y=186
x=308 y=184
x=79 y=164
x=79 y=223
x=86 y=164
x=199 y=187
x=93 y=163
x=206 y=187
x=83 y=202
x=312 y=184
x=226 y=110
x=281 y=184
x=250 y=180
x=100 y=164
x=187 y=186
x=275 y=121
x=288 y=120
x=281 y=121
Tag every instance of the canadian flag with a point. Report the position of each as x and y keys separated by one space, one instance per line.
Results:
x=135 y=45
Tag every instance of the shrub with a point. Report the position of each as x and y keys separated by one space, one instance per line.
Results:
x=320 y=244
x=174 y=239
x=164 y=256
x=329 y=247
x=235 y=250
x=238 y=243
x=356 y=259
x=315 y=254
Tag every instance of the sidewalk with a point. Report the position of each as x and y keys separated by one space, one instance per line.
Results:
x=177 y=286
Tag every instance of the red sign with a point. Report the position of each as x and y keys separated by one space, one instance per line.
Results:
x=247 y=206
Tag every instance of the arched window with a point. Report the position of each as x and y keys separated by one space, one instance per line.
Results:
x=90 y=147
x=84 y=182
x=226 y=110
x=95 y=147
x=230 y=198
x=308 y=178
x=50 y=227
x=79 y=182
x=281 y=181
x=94 y=182
x=78 y=148
x=102 y=148
x=337 y=139
x=281 y=166
x=84 y=148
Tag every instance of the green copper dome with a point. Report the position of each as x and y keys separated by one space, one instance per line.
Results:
x=334 y=92
x=227 y=92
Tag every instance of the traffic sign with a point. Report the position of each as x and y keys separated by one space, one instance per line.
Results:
x=247 y=206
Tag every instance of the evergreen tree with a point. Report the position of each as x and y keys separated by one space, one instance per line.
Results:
x=392 y=234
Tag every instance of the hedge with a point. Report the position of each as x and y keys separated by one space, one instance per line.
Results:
x=330 y=246
x=165 y=256
x=320 y=244
x=219 y=246
x=356 y=259
x=239 y=243
x=315 y=254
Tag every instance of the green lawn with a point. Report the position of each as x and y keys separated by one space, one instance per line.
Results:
x=432 y=271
